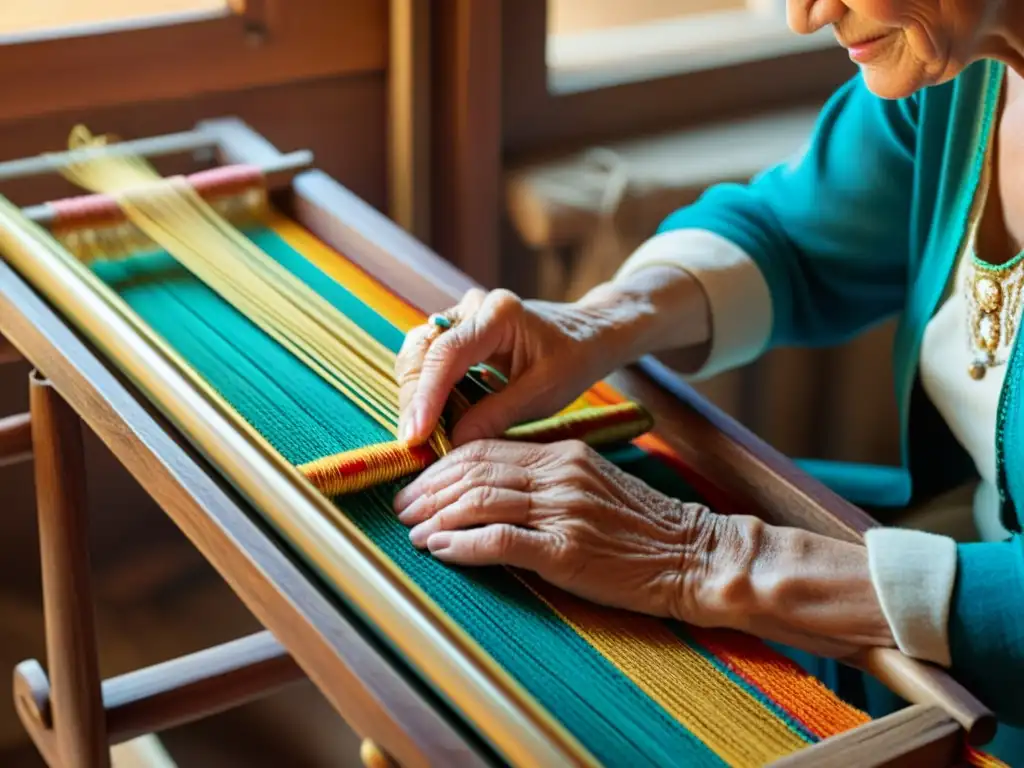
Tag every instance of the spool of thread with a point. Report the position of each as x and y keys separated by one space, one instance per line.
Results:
x=98 y=210
x=362 y=468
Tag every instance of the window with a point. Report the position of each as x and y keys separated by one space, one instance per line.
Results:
x=600 y=43
x=36 y=18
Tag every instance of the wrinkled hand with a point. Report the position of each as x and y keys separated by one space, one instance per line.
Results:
x=550 y=353
x=573 y=518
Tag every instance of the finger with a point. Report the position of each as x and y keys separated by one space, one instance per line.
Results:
x=409 y=364
x=498 y=544
x=478 y=506
x=522 y=400
x=446 y=488
x=446 y=470
x=483 y=334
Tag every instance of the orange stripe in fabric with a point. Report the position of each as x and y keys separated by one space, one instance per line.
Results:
x=801 y=695
x=725 y=717
x=364 y=287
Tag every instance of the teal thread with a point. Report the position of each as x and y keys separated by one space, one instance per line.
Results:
x=304 y=418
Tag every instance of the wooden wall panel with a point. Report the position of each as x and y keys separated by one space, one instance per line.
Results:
x=286 y=41
x=466 y=140
x=342 y=120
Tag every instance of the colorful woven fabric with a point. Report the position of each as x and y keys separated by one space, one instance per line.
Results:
x=634 y=690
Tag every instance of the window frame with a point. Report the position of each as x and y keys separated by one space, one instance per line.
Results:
x=605 y=57
x=265 y=43
x=537 y=117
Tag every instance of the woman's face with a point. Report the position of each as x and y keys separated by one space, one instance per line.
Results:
x=902 y=46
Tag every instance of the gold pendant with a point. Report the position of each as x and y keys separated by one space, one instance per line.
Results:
x=977 y=371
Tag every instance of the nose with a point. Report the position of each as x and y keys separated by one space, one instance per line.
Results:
x=807 y=16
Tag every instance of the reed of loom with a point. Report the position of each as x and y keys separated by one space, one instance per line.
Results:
x=711 y=445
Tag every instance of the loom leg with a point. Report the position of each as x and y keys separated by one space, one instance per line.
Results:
x=75 y=704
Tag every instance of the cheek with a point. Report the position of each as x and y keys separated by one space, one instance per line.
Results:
x=886 y=13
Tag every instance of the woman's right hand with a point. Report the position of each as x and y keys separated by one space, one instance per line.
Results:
x=550 y=353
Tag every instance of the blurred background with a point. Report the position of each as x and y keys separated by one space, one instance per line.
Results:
x=534 y=143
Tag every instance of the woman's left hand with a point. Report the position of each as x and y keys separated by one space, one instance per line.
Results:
x=576 y=520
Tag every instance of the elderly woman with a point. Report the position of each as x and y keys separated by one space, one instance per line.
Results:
x=908 y=199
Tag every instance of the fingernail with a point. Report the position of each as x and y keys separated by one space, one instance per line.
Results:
x=439 y=541
x=400 y=502
x=413 y=424
x=408 y=514
x=420 y=534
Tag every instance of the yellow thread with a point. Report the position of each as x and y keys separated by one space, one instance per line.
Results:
x=383 y=463
x=596 y=426
x=688 y=686
x=175 y=216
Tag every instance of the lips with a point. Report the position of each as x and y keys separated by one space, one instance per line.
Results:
x=865 y=48
x=860 y=42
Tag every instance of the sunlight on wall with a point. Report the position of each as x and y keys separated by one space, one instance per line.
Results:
x=569 y=16
x=21 y=16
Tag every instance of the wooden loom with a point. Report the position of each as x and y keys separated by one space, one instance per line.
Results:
x=91 y=368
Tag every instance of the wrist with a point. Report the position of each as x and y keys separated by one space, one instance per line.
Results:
x=648 y=311
x=723 y=591
x=799 y=588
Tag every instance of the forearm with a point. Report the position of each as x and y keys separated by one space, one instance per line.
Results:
x=798 y=588
x=652 y=310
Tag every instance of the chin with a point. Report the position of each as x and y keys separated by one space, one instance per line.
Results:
x=894 y=83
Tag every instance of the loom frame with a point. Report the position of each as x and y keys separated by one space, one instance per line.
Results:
x=314 y=637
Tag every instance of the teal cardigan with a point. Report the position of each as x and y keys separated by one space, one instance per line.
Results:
x=865 y=225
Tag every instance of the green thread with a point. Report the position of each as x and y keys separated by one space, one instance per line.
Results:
x=304 y=418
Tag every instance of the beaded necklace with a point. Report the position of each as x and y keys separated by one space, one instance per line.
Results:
x=993 y=294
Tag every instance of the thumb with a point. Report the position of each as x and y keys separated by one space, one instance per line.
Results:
x=445 y=362
x=517 y=402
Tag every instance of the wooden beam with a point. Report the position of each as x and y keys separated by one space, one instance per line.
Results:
x=468 y=173
x=409 y=120
x=175 y=692
x=915 y=736
x=75 y=699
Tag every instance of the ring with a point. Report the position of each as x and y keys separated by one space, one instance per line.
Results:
x=441 y=321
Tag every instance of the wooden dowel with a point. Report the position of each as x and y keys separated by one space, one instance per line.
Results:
x=15 y=439
x=277 y=174
x=915 y=736
x=75 y=701
x=922 y=683
x=8 y=352
x=196 y=686
x=175 y=692
x=156 y=146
